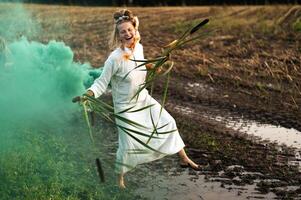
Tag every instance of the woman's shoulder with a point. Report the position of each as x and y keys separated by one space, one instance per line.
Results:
x=139 y=46
x=115 y=54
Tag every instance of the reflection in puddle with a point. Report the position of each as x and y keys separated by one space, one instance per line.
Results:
x=290 y=137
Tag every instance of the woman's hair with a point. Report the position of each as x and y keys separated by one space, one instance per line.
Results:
x=120 y=17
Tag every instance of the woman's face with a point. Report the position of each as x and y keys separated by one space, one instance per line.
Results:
x=127 y=33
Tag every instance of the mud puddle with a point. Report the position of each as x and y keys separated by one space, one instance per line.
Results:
x=165 y=180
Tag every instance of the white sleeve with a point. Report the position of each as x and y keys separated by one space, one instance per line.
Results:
x=101 y=83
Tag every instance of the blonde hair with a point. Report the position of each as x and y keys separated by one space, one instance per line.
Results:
x=120 y=17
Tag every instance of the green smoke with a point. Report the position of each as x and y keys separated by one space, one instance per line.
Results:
x=38 y=82
x=45 y=149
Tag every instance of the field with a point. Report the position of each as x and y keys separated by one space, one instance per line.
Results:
x=249 y=67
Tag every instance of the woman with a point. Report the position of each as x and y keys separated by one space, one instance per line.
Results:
x=130 y=152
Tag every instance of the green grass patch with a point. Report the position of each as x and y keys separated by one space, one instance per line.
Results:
x=51 y=165
x=297 y=25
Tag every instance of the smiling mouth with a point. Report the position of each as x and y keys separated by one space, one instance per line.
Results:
x=129 y=38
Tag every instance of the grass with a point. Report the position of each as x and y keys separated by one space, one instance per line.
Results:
x=50 y=165
x=297 y=25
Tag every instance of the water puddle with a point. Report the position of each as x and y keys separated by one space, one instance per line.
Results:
x=165 y=182
x=197 y=88
x=280 y=135
x=266 y=133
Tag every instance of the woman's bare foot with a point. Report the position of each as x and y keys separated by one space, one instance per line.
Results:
x=121 y=182
x=186 y=162
x=122 y=185
x=190 y=163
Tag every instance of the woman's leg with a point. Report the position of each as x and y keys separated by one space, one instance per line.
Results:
x=121 y=181
x=186 y=160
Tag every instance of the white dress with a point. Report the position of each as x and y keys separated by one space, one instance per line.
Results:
x=130 y=151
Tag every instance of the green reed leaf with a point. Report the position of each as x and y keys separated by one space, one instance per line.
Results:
x=144 y=63
x=128 y=121
x=99 y=102
x=152 y=88
x=199 y=36
x=138 y=91
x=137 y=132
x=142 y=143
x=104 y=115
x=154 y=127
x=127 y=74
x=163 y=126
x=165 y=92
x=143 y=108
x=149 y=60
x=88 y=122
x=168 y=69
x=167 y=132
x=125 y=110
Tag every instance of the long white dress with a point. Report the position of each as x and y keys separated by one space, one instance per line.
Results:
x=130 y=151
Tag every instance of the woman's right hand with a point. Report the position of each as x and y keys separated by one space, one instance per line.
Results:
x=90 y=93
x=82 y=98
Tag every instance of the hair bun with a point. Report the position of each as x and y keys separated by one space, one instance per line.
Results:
x=123 y=14
x=128 y=13
x=117 y=15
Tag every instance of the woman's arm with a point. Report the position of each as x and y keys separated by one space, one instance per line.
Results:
x=101 y=83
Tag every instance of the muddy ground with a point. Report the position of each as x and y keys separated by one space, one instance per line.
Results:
x=250 y=66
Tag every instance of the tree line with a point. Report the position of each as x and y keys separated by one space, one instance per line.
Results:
x=162 y=2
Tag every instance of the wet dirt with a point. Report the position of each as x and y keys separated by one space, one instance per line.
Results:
x=221 y=134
